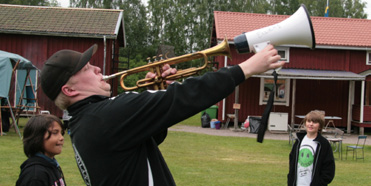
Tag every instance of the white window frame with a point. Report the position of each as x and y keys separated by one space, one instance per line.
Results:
x=286 y=50
x=368 y=58
x=264 y=95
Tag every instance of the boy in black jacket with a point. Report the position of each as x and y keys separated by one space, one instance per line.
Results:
x=311 y=158
x=42 y=140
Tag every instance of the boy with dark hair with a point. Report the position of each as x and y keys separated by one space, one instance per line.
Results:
x=42 y=140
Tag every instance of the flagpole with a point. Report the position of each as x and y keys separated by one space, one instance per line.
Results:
x=327 y=7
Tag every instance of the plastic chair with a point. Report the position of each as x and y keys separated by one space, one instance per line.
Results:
x=337 y=141
x=230 y=117
x=292 y=135
x=360 y=145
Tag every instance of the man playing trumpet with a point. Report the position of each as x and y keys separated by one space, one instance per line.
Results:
x=116 y=139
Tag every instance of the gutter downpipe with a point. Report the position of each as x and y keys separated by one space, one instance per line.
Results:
x=350 y=103
x=362 y=108
x=223 y=112
x=104 y=55
x=293 y=103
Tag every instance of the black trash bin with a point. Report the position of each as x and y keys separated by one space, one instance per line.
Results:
x=205 y=120
x=5 y=114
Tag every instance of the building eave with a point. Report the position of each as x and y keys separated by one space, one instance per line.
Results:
x=314 y=75
x=58 y=34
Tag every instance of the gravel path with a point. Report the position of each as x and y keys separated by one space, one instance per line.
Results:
x=347 y=139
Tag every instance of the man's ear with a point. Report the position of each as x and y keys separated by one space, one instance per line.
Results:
x=68 y=91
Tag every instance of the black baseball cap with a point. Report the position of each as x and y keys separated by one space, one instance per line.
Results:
x=60 y=67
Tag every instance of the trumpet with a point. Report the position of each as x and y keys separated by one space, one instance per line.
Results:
x=156 y=67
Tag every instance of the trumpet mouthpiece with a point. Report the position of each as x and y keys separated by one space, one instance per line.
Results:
x=105 y=78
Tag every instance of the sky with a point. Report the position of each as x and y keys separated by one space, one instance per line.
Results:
x=65 y=3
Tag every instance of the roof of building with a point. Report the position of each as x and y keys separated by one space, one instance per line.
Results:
x=314 y=74
x=329 y=31
x=72 y=22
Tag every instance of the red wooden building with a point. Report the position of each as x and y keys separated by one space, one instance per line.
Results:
x=334 y=77
x=38 y=32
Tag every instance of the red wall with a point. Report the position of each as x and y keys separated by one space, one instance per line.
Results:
x=38 y=49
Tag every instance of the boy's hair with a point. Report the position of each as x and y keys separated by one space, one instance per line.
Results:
x=34 y=132
x=316 y=116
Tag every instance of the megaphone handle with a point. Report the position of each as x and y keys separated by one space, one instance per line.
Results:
x=260 y=46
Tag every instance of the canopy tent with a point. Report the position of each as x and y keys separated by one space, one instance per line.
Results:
x=10 y=62
x=7 y=62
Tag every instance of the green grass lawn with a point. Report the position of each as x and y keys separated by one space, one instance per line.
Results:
x=199 y=160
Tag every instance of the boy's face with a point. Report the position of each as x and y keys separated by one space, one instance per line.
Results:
x=54 y=144
x=311 y=127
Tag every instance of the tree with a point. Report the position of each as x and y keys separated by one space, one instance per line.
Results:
x=337 y=8
x=284 y=7
x=29 y=2
x=106 y=4
x=187 y=25
x=354 y=9
x=136 y=27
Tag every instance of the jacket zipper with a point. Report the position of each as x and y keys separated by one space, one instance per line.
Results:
x=315 y=162
x=296 y=160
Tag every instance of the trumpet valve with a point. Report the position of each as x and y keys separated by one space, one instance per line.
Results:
x=158 y=79
x=154 y=58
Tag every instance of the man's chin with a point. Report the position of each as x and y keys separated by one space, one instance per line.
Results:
x=108 y=93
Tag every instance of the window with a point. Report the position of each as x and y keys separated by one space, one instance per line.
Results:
x=368 y=58
x=282 y=91
x=284 y=52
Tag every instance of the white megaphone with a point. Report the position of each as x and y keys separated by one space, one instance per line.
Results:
x=295 y=30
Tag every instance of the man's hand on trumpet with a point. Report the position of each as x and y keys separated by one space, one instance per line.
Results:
x=166 y=70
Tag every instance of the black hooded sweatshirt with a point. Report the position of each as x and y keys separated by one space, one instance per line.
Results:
x=323 y=165
x=37 y=171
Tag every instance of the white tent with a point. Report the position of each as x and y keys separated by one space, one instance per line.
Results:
x=9 y=63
